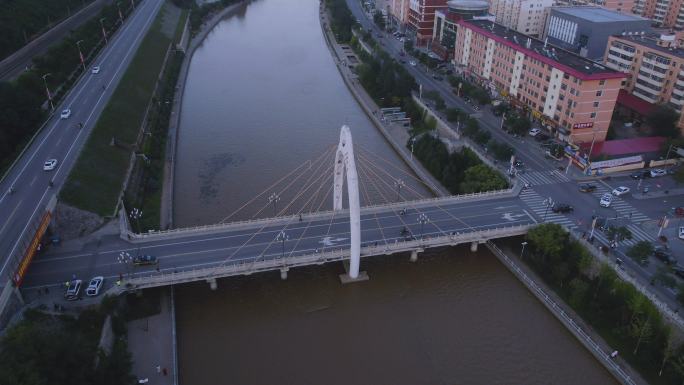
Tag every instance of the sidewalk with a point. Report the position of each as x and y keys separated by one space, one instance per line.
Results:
x=151 y=341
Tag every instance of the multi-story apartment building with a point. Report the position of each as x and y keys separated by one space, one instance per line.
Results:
x=622 y=6
x=421 y=18
x=444 y=30
x=568 y=93
x=398 y=12
x=524 y=16
x=665 y=13
x=655 y=65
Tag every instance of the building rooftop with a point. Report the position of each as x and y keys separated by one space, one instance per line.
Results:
x=597 y=14
x=567 y=61
x=651 y=41
x=468 y=5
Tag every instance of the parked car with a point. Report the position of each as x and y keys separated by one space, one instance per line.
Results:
x=73 y=290
x=49 y=164
x=678 y=271
x=412 y=63
x=437 y=77
x=534 y=132
x=95 y=70
x=606 y=200
x=142 y=260
x=679 y=211
x=94 y=286
x=656 y=172
x=587 y=187
x=664 y=255
x=641 y=174
x=619 y=191
x=541 y=137
x=66 y=113
x=680 y=232
x=562 y=208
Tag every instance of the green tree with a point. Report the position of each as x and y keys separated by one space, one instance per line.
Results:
x=471 y=128
x=482 y=137
x=663 y=276
x=453 y=114
x=663 y=121
x=501 y=151
x=482 y=178
x=680 y=294
x=640 y=252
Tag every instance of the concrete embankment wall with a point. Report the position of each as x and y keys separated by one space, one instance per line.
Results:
x=355 y=89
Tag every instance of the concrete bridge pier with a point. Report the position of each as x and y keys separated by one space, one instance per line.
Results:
x=212 y=283
x=473 y=246
x=283 y=273
x=414 y=256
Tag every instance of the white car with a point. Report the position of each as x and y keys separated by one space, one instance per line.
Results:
x=412 y=63
x=94 y=286
x=73 y=290
x=95 y=70
x=622 y=190
x=606 y=200
x=50 y=164
x=534 y=132
x=66 y=113
x=681 y=232
x=656 y=172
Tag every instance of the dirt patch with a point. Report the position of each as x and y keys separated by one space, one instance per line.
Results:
x=70 y=222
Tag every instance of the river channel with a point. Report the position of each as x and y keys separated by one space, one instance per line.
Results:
x=262 y=96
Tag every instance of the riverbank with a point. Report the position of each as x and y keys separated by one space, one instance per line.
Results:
x=166 y=210
x=395 y=135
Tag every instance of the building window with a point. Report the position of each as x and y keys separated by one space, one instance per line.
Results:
x=599 y=93
x=564 y=86
x=592 y=115
x=602 y=82
x=596 y=104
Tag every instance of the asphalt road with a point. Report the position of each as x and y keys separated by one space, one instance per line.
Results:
x=62 y=139
x=13 y=65
x=305 y=237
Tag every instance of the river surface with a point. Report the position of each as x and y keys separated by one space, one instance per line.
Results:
x=263 y=96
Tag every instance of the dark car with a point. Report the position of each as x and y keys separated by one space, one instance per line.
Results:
x=541 y=137
x=587 y=187
x=678 y=271
x=142 y=260
x=437 y=77
x=562 y=208
x=664 y=255
x=641 y=174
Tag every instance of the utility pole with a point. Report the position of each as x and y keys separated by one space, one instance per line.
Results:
x=118 y=6
x=104 y=33
x=548 y=202
x=399 y=184
x=80 y=53
x=413 y=141
x=49 y=94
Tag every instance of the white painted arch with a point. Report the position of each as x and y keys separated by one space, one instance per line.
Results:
x=345 y=165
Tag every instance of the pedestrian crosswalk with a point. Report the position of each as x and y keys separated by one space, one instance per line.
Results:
x=535 y=178
x=622 y=208
x=541 y=207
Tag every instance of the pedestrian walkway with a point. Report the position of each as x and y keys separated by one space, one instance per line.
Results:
x=542 y=207
x=536 y=178
x=638 y=235
x=622 y=207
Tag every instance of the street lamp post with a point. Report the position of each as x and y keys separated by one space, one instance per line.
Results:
x=399 y=184
x=104 y=33
x=274 y=198
x=282 y=237
x=413 y=142
x=522 y=252
x=548 y=202
x=118 y=6
x=136 y=214
x=47 y=90
x=80 y=53
x=126 y=259
x=422 y=219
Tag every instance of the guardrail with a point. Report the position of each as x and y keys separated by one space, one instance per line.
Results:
x=126 y=232
x=565 y=318
x=259 y=264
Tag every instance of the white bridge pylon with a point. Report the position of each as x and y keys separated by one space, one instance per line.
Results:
x=345 y=164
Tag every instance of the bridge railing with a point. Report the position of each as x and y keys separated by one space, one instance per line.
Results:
x=260 y=263
x=126 y=232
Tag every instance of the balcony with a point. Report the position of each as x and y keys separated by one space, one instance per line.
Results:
x=621 y=51
x=649 y=80
x=620 y=61
x=655 y=63
x=640 y=95
x=678 y=92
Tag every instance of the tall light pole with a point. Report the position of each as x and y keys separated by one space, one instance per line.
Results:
x=47 y=90
x=132 y=5
x=399 y=184
x=422 y=219
x=282 y=237
x=522 y=252
x=274 y=198
x=104 y=33
x=413 y=141
x=548 y=202
x=136 y=214
x=125 y=259
x=118 y=6
x=80 y=53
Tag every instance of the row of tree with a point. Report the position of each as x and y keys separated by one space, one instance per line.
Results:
x=23 y=20
x=22 y=100
x=464 y=88
x=461 y=172
x=614 y=308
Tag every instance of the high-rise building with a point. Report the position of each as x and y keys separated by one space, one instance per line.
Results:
x=524 y=16
x=444 y=30
x=398 y=12
x=585 y=30
x=421 y=18
x=665 y=13
x=572 y=96
x=655 y=64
